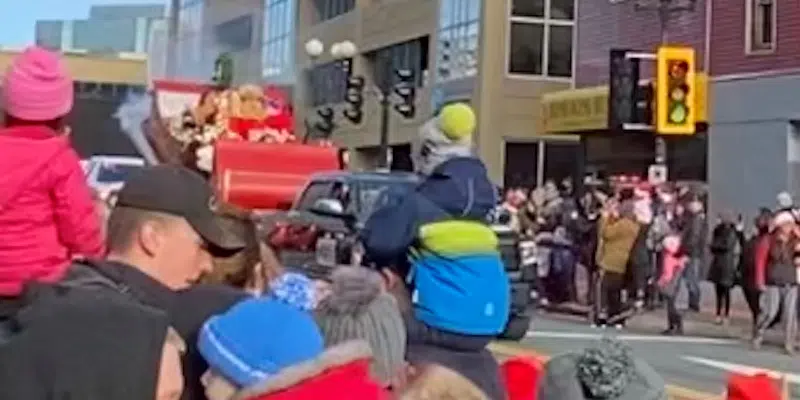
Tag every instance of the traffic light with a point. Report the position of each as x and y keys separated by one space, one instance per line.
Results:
x=326 y=124
x=644 y=103
x=623 y=84
x=406 y=89
x=675 y=92
x=354 y=97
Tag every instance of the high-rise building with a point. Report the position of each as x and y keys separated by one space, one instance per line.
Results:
x=108 y=29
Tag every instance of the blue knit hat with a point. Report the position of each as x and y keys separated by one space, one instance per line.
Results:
x=257 y=338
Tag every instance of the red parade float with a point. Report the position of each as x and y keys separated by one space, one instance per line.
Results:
x=242 y=138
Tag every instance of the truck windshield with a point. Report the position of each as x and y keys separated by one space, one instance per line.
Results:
x=376 y=194
x=112 y=173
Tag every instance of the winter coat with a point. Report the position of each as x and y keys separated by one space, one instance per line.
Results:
x=693 y=235
x=724 y=255
x=186 y=309
x=616 y=240
x=340 y=373
x=747 y=261
x=79 y=343
x=437 y=237
x=672 y=265
x=47 y=216
x=762 y=256
x=780 y=269
x=640 y=267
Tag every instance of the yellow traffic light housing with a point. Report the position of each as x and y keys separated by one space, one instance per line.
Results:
x=675 y=91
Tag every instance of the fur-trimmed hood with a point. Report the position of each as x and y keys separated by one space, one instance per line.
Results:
x=341 y=369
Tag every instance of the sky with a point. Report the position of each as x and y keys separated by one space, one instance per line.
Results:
x=20 y=16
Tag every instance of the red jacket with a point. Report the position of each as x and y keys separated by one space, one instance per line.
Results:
x=341 y=373
x=47 y=216
x=762 y=254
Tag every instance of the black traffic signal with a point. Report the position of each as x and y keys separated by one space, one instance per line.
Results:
x=354 y=97
x=406 y=89
x=326 y=124
x=644 y=96
x=623 y=87
x=675 y=94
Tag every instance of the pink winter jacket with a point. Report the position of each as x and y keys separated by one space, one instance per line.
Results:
x=47 y=216
x=672 y=263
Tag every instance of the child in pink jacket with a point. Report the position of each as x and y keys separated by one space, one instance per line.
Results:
x=47 y=216
x=672 y=264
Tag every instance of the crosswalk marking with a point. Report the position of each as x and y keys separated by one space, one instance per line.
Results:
x=629 y=337
x=742 y=369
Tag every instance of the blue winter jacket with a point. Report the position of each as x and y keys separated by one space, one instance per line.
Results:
x=438 y=237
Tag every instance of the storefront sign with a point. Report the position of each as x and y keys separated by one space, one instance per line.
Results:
x=586 y=109
x=575 y=110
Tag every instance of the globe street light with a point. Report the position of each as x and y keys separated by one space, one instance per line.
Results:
x=343 y=50
x=314 y=48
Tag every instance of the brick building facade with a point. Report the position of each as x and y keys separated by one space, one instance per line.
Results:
x=754 y=151
x=603 y=25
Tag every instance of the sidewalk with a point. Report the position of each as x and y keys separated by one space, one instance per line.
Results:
x=695 y=324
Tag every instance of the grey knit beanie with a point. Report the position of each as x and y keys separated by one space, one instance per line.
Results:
x=608 y=371
x=358 y=308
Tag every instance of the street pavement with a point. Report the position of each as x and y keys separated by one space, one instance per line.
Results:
x=700 y=361
x=693 y=362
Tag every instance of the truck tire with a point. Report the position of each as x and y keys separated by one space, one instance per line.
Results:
x=516 y=327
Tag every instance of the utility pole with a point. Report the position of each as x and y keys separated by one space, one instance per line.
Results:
x=666 y=9
x=385 y=89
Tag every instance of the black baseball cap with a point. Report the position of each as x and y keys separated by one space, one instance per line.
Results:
x=179 y=191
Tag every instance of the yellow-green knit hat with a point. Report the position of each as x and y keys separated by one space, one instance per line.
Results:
x=457 y=121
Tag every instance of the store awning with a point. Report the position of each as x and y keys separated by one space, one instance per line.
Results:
x=575 y=110
x=586 y=109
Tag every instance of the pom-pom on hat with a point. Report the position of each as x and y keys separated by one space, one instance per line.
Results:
x=358 y=308
x=457 y=122
x=37 y=86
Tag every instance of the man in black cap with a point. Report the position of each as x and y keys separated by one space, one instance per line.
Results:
x=162 y=235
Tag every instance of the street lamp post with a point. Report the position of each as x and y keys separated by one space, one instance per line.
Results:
x=385 y=92
x=405 y=89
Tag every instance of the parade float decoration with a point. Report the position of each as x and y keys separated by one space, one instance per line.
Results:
x=241 y=137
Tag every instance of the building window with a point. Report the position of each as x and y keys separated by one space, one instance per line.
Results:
x=761 y=19
x=191 y=60
x=328 y=83
x=541 y=38
x=459 y=27
x=278 y=51
x=328 y=9
x=235 y=34
x=411 y=55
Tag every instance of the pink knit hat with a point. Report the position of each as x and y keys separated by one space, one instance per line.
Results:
x=37 y=87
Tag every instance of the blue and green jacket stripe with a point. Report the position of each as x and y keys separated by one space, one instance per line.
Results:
x=438 y=237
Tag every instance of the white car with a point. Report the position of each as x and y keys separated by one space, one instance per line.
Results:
x=107 y=174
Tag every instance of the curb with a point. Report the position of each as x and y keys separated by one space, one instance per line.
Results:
x=504 y=349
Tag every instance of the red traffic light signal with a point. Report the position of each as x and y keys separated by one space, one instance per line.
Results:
x=675 y=92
